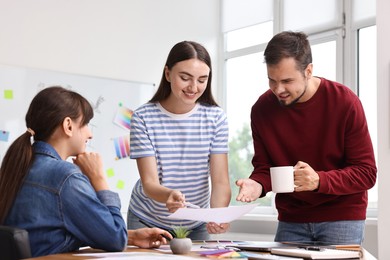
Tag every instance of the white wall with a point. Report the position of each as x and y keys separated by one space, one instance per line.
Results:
x=115 y=39
x=119 y=39
x=383 y=67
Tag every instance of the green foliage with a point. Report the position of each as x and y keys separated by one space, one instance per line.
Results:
x=181 y=232
x=240 y=162
x=241 y=153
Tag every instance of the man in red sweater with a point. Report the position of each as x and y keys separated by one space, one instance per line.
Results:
x=318 y=126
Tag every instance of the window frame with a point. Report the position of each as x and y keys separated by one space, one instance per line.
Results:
x=346 y=58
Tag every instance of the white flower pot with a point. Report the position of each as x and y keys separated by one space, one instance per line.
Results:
x=181 y=245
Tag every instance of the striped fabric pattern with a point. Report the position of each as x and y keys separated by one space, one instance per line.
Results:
x=182 y=145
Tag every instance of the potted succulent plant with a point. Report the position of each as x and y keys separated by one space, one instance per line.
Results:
x=180 y=244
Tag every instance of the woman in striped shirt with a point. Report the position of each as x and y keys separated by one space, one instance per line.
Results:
x=180 y=141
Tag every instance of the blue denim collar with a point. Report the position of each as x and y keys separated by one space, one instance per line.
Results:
x=45 y=149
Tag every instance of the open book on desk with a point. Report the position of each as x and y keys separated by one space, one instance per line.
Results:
x=321 y=253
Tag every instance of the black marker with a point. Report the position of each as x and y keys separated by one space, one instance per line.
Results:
x=150 y=226
x=312 y=248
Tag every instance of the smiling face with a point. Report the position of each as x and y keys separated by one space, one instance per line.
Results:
x=81 y=134
x=188 y=81
x=288 y=83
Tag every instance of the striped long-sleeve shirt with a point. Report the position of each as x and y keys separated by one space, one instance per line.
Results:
x=181 y=144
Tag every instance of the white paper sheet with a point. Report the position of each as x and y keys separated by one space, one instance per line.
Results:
x=194 y=248
x=136 y=255
x=217 y=215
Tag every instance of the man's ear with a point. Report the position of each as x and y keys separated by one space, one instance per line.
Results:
x=309 y=70
x=67 y=126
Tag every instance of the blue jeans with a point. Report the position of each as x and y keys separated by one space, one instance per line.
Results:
x=198 y=233
x=326 y=233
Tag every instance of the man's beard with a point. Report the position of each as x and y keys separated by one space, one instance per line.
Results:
x=295 y=100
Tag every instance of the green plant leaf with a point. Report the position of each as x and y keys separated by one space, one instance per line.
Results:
x=181 y=232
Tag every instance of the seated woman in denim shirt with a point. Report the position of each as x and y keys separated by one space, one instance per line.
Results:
x=63 y=205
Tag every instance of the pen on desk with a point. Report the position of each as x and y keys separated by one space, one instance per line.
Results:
x=150 y=226
x=312 y=248
x=348 y=247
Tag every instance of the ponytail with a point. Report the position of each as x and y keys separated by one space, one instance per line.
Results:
x=14 y=169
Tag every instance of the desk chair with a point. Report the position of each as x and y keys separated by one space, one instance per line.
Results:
x=14 y=243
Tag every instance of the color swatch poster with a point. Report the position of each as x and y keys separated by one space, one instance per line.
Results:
x=123 y=117
x=122 y=147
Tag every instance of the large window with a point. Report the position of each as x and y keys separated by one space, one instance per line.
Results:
x=246 y=79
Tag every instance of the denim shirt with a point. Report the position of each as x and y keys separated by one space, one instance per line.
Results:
x=61 y=211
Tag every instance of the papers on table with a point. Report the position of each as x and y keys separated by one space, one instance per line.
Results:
x=217 y=215
x=222 y=253
x=135 y=255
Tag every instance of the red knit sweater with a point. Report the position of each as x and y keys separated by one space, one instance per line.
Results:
x=330 y=133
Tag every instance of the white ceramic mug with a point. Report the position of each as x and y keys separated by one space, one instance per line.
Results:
x=282 y=179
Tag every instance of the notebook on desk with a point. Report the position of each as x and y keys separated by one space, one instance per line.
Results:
x=259 y=246
x=323 y=253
